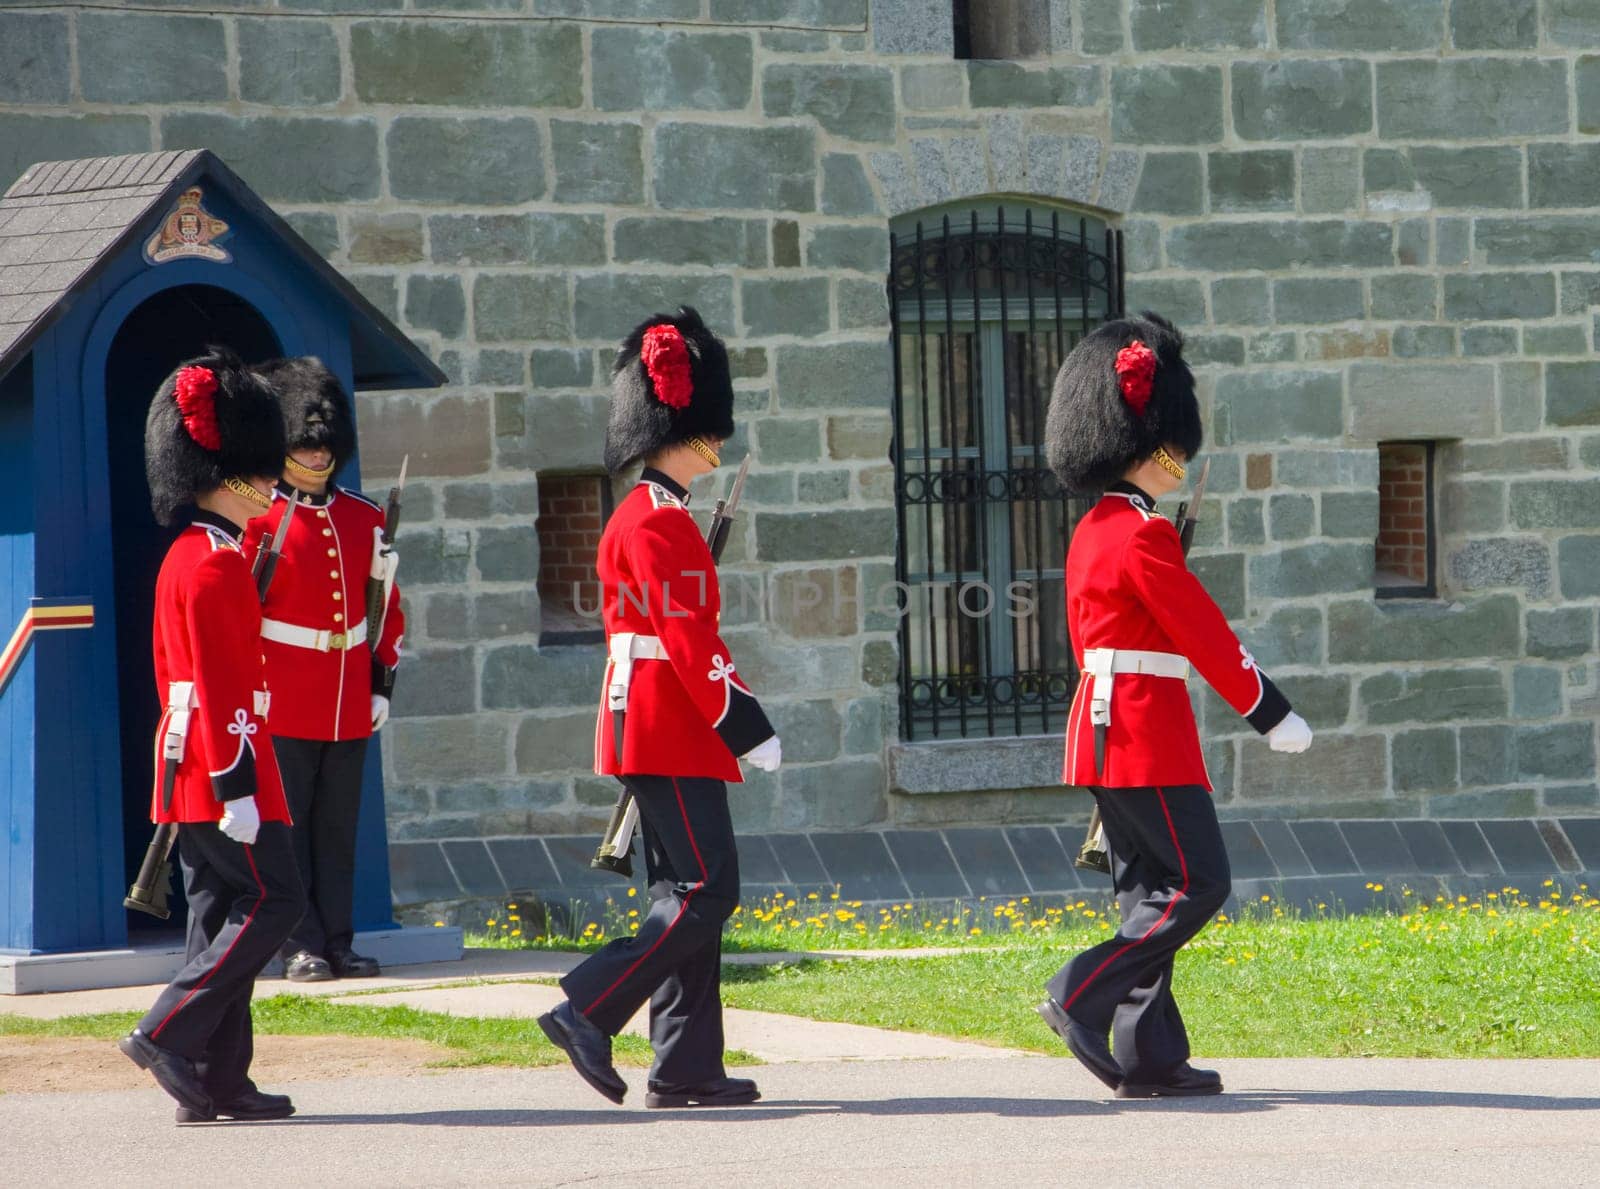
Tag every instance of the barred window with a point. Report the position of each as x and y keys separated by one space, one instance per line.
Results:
x=985 y=306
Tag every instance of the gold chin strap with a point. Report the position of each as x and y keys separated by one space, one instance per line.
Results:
x=1168 y=463
x=244 y=491
x=704 y=451
x=301 y=471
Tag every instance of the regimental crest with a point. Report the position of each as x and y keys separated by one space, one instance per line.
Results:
x=189 y=232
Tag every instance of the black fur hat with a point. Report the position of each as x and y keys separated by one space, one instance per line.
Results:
x=667 y=387
x=316 y=411
x=211 y=419
x=1093 y=433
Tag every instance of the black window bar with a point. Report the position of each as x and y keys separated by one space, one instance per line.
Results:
x=985 y=307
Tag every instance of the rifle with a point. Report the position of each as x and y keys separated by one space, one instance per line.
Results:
x=1095 y=854
x=380 y=579
x=617 y=841
x=151 y=886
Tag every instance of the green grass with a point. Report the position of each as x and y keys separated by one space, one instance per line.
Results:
x=470 y=1041
x=1498 y=977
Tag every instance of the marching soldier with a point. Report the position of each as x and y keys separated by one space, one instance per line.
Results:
x=332 y=669
x=673 y=726
x=1123 y=420
x=213 y=443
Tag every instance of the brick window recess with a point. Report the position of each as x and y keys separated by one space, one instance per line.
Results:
x=1405 y=546
x=1002 y=30
x=572 y=511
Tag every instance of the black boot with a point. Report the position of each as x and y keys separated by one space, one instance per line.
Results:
x=174 y=1073
x=346 y=964
x=1084 y=1043
x=1184 y=1082
x=587 y=1047
x=717 y=1092
x=251 y=1105
x=306 y=967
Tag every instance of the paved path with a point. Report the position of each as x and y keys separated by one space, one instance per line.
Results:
x=1026 y=1121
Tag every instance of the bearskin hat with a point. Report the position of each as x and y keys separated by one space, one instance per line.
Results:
x=1123 y=391
x=670 y=383
x=316 y=411
x=211 y=419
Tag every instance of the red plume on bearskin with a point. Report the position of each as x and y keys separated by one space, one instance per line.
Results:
x=671 y=382
x=194 y=390
x=1136 y=369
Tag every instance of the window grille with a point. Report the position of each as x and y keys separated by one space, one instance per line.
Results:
x=985 y=306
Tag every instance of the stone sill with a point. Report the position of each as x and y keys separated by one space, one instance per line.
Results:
x=976 y=765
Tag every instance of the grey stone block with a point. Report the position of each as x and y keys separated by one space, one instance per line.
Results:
x=288 y=63
x=1350 y=514
x=448 y=749
x=525 y=864
x=1454 y=98
x=1402 y=295
x=436 y=681
x=598 y=163
x=468 y=63
x=807 y=536
x=1182 y=301
x=1289 y=636
x=1302 y=98
x=1283 y=849
x=436 y=302
x=925 y=862
x=1431 y=852
x=28 y=139
x=700 y=166
x=1519 y=847
x=810 y=730
x=560 y=367
x=1378 y=847
x=1536 y=239
x=839 y=375
x=1348 y=767
x=852 y=102
x=1494 y=24
x=1578 y=562
x=1400 y=401
x=1360 y=25
x=1562 y=174
x=1322 y=700
x=865 y=249
x=1240 y=301
x=520 y=677
x=480 y=239
x=1278 y=406
x=860 y=864
x=1536 y=691
x=1560 y=634
x=1560 y=751
x=802 y=868
x=1480 y=565
x=1330 y=178
x=287 y=159
x=1144 y=98
x=910 y=27
x=1572 y=22
x=1471 y=849
x=1583 y=834
x=1170 y=184
x=1273 y=246
x=35 y=58
x=1317 y=299
x=1586 y=76
x=1489 y=296
x=670 y=70
x=1443 y=696
x=1572 y=393
x=1568 y=339
x=483 y=161
x=1010 y=84
x=570 y=855
x=1324 y=847
x=718 y=242
x=142 y=57
x=845 y=188
x=844 y=794
x=520 y=306
x=1556 y=840
x=759 y=869
x=475 y=870
x=1044 y=861
x=607 y=305
x=1254 y=180
x=1247 y=854
x=776 y=306
x=1360 y=631
x=506 y=554
x=1555 y=504
x=319 y=230
x=933 y=86
x=985 y=859
x=419 y=874
x=1225 y=24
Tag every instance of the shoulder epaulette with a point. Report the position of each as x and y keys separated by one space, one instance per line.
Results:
x=660 y=497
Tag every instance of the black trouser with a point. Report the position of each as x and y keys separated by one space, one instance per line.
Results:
x=1170 y=872
x=675 y=960
x=243 y=900
x=322 y=781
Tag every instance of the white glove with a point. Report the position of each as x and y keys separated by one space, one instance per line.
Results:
x=766 y=756
x=380 y=712
x=1292 y=735
x=241 y=820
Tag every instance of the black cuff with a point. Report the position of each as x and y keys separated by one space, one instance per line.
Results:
x=1272 y=709
x=745 y=725
x=239 y=780
x=382 y=679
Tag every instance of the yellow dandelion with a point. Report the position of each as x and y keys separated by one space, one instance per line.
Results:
x=516 y=932
x=632 y=892
x=438 y=924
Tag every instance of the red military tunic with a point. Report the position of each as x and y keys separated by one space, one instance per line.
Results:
x=318 y=597
x=689 y=714
x=207 y=631
x=1128 y=587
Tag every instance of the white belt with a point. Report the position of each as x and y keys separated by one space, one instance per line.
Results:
x=1101 y=664
x=625 y=648
x=318 y=641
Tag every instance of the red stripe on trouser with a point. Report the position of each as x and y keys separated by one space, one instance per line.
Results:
x=260 y=887
x=682 y=908
x=1183 y=868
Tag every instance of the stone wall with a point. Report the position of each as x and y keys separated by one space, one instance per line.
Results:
x=1377 y=221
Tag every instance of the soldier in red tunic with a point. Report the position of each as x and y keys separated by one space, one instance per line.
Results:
x=332 y=671
x=675 y=719
x=213 y=443
x=1123 y=420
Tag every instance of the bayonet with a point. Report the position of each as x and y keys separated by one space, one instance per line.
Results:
x=267 y=555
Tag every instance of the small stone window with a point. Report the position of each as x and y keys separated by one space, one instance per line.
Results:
x=572 y=511
x=1002 y=29
x=1406 y=549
